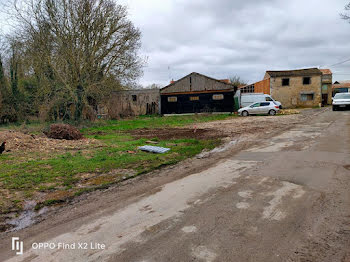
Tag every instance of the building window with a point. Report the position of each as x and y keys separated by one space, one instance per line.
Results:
x=285 y=81
x=218 y=97
x=324 y=89
x=172 y=99
x=248 y=89
x=306 y=80
x=134 y=98
x=307 y=97
x=194 y=98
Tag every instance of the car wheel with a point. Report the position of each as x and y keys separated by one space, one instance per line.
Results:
x=280 y=106
x=272 y=112
x=245 y=113
x=334 y=108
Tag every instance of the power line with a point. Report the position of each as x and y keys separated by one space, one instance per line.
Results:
x=340 y=63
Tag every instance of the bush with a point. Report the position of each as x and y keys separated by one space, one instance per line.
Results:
x=63 y=131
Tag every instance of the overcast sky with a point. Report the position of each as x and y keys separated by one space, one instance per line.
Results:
x=239 y=37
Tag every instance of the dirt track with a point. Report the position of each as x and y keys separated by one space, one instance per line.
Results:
x=277 y=195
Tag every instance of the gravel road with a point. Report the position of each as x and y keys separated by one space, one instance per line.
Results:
x=280 y=195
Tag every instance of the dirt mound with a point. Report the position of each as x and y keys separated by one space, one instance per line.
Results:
x=25 y=143
x=64 y=131
x=175 y=133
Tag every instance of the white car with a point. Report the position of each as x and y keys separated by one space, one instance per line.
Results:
x=341 y=101
x=250 y=98
x=260 y=108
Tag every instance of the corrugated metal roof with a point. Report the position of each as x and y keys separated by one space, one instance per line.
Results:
x=174 y=82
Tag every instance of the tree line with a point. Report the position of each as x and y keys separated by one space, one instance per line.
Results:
x=62 y=58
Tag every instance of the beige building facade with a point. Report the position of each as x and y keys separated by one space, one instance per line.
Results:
x=297 y=88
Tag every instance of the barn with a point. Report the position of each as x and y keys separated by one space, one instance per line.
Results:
x=197 y=93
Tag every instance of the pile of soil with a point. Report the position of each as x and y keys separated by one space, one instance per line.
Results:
x=24 y=143
x=64 y=131
x=175 y=133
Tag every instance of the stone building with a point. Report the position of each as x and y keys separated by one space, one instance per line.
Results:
x=327 y=80
x=296 y=88
x=133 y=103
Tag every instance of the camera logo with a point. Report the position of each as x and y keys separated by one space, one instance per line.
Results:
x=17 y=246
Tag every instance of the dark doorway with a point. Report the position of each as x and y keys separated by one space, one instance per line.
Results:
x=324 y=99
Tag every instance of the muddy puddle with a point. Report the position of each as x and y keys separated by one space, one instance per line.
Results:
x=26 y=218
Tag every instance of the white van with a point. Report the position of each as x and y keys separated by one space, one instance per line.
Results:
x=250 y=98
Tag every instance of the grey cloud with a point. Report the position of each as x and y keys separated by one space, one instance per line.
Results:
x=243 y=37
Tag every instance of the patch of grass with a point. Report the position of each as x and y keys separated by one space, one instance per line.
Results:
x=119 y=151
x=49 y=202
x=150 y=122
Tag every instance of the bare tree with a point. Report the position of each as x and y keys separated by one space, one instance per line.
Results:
x=79 y=49
x=346 y=16
x=237 y=81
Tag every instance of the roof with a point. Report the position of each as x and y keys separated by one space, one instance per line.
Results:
x=326 y=71
x=298 y=72
x=174 y=82
x=227 y=81
x=341 y=84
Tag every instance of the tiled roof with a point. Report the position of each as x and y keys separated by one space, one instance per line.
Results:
x=299 y=72
x=341 y=84
x=326 y=71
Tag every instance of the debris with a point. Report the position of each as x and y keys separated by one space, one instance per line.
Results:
x=64 y=131
x=130 y=152
x=151 y=142
x=154 y=149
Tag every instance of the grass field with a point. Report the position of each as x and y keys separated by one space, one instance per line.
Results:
x=56 y=177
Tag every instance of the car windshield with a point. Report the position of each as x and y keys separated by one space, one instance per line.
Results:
x=342 y=96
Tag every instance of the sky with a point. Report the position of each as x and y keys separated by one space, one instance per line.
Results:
x=224 y=38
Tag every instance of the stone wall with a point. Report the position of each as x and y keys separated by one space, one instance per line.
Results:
x=291 y=96
x=133 y=103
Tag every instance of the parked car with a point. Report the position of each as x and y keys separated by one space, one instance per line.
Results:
x=270 y=108
x=250 y=98
x=341 y=101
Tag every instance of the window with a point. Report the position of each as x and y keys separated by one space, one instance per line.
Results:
x=285 y=81
x=134 y=98
x=306 y=97
x=255 y=105
x=268 y=99
x=218 y=97
x=247 y=89
x=172 y=99
x=265 y=104
x=194 y=98
x=306 y=80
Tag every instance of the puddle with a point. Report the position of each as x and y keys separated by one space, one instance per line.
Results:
x=219 y=149
x=27 y=217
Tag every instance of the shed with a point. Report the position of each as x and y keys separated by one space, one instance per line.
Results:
x=196 y=93
x=133 y=103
